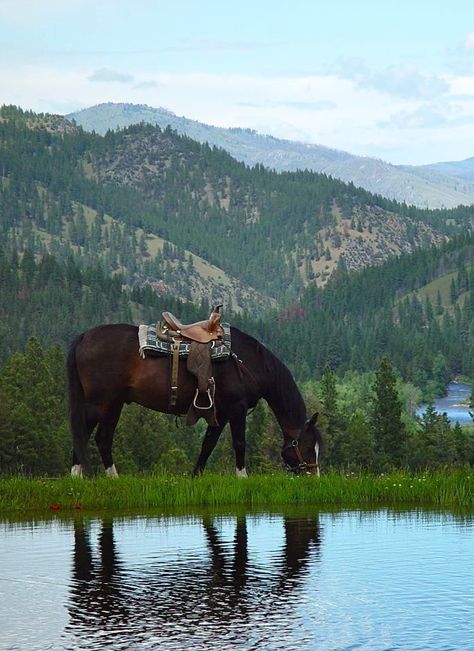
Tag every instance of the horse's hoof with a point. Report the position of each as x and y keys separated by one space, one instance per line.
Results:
x=111 y=472
x=76 y=470
x=241 y=473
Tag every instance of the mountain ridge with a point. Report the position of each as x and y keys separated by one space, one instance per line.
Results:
x=409 y=184
x=463 y=169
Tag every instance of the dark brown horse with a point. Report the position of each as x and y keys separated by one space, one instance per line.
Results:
x=105 y=371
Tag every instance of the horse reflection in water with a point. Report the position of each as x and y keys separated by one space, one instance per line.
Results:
x=198 y=602
x=96 y=594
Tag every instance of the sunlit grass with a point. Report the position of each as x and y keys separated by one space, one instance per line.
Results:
x=450 y=488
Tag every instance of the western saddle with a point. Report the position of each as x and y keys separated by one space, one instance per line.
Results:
x=199 y=360
x=202 y=331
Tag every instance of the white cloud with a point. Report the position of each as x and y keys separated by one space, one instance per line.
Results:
x=23 y=12
x=462 y=86
x=108 y=75
x=406 y=81
x=429 y=116
x=351 y=68
x=150 y=83
x=469 y=42
x=338 y=113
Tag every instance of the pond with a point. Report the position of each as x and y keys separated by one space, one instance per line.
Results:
x=454 y=403
x=346 y=580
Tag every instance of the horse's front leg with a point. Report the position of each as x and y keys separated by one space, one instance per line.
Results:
x=208 y=445
x=237 y=419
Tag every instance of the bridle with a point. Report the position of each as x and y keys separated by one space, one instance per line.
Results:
x=303 y=466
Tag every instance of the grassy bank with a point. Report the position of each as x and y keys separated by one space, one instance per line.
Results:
x=447 y=489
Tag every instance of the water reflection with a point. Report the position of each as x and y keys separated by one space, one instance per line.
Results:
x=214 y=593
x=96 y=592
x=372 y=580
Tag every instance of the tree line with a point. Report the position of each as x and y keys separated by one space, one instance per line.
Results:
x=367 y=421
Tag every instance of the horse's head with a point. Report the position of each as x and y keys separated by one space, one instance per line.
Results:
x=301 y=452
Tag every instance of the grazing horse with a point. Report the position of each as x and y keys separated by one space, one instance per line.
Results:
x=105 y=371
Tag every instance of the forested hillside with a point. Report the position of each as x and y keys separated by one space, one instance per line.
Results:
x=118 y=228
x=269 y=235
x=418 y=309
x=55 y=300
x=81 y=216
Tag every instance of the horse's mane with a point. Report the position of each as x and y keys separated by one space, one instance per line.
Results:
x=280 y=387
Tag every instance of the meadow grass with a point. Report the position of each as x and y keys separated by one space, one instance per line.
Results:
x=452 y=489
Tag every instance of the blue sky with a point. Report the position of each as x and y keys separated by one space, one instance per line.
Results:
x=393 y=80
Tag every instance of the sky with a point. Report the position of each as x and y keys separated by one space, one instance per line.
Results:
x=392 y=80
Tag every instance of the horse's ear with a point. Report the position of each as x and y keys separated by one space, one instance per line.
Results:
x=313 y=419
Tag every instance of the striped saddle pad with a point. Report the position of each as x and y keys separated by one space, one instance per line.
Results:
x=152 y=344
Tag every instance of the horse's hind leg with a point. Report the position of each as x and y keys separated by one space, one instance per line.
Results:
x=91 y=421
x=105 y=435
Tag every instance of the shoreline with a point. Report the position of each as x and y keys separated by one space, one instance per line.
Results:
x=452 y=489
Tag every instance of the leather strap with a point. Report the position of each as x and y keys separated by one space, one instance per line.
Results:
x=174 y=371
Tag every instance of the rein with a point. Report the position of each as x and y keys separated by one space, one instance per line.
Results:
x=241 y=367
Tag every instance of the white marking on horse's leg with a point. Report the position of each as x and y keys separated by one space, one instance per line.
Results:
x=76 y=470
x=241 y=473
x=112 y=471
x=316 y=450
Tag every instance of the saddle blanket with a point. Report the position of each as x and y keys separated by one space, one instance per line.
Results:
x=150 y=344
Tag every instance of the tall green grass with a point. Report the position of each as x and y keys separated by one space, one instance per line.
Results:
x=448 y=489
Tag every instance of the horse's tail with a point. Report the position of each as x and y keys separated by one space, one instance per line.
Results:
x=77 y=408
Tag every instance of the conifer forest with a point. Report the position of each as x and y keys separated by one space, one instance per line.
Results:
x=369 y=303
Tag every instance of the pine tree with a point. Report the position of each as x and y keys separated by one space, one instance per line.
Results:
x=357 y=443
x=329 y=399
x=434 y=444
x=389 y=431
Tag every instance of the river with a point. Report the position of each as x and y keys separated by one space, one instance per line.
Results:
x=376 y=580
x=455 y=404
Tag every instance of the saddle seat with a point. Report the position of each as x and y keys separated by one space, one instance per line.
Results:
x=202 y=331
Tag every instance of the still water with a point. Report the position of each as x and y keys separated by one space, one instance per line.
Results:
x=349 y=580
x=454 y=403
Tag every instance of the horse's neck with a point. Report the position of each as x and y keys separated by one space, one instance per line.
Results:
x=289 y=422
x=286 y=402
x=271 y=380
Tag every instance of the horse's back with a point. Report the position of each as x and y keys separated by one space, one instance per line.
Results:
x=109 y=340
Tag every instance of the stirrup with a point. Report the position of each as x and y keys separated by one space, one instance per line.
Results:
x=211 y=402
